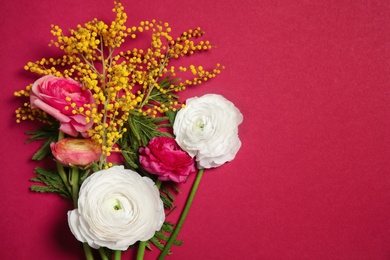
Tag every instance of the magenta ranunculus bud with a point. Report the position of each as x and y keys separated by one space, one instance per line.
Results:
x=164 y=157
x=54 y=95
x=76 y=152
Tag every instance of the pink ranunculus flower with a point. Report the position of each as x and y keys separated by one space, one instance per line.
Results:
x=164 y=157
x=76 y=152
x=49 y=94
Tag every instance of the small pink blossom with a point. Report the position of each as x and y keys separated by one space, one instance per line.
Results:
x=77 y=152
x=50 y=94
x=164 y=157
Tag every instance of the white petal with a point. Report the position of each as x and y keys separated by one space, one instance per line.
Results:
x=117 y=207
x=207 y=128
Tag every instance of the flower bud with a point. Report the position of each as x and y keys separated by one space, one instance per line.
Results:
x=76 y=152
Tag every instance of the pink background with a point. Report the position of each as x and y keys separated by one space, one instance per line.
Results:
x=312 y=79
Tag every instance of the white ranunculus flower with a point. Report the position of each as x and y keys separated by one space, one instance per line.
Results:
x=207 y=128
x=116 y=208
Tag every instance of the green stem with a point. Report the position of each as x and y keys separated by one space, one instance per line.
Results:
x=142 y=244
x=61 y=172
x=103 y=157
x=183 y=215
x=141 y=250
x=158 y=184
x=87 y=251
x=151 y=85
x=73 y=189
x=60 y=167
x=61 y=135
x=102 y=254
x=117 y=254
x=74 y=182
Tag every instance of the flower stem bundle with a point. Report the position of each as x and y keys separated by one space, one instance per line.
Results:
x=121 y=138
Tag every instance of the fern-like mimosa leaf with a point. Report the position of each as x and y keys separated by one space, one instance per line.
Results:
x=45 y=149
x=50 y=182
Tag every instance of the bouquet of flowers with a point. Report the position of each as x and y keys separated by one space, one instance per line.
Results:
x=119 y=134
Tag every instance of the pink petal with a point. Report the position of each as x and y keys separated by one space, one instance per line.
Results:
x=67 y=128
x=51 y=111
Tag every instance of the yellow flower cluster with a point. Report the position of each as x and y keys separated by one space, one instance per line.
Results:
x=122 y=81
x=26 y=112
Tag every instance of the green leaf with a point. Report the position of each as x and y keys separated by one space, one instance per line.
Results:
x=168 y=80
x=157 y=243
x=45 y=149
x=171 y=116
x=134 y=128
x=147 y=245
x=85 y=173
x=130 y=159
x=169 y=194
x=107 y=252
x=49 y=133
x=163 y=235
x=43 y=132
x=141 y=129
x=166 y=194
x=167 y=227
x=166 y=201
x=51 y=182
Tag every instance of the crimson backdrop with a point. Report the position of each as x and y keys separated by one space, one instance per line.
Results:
x=312 y=180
